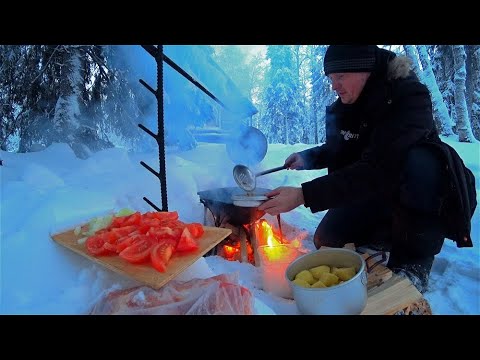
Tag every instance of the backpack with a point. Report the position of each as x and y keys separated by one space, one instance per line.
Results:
x=460 y=201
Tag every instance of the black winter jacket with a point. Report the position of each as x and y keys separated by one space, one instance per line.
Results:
x=367 y=141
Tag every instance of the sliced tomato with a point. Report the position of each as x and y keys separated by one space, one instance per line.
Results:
x=151 y=222
x=163 y=233
x=111 y=247
x=187 y=242
x=160 y=256
x=138 y=251
x=94 y=245
x=196 y=229
x=117 y=222
x=165 y=216
x=109 y=236
x=126 y=241
x=134 y=219
x=124 y=230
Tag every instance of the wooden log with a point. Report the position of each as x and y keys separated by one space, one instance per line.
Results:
x=392 y=296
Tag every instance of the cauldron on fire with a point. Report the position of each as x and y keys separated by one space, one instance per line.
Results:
x=221 y=204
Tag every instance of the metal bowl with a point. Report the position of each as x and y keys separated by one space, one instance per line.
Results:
x=348 y=298
x=247 y=145
x=246 y=200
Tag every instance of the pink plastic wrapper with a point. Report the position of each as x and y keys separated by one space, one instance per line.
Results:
x=217 y=295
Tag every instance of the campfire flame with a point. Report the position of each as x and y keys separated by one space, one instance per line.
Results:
x=265 y=235
x=231 y=251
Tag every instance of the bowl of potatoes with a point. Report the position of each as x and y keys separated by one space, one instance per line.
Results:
x=329 y=282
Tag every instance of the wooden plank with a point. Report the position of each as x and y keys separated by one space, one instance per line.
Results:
x=392 y=296
x=145 y=273
x=378 y=276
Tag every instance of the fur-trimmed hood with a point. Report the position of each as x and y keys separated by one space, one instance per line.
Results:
x=399 y=67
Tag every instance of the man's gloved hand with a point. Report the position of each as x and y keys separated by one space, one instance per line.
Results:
x=295 y=161
x=284 y=199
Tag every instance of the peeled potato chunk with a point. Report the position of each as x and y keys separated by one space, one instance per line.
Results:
x=305 y=275
x=316 y=271
x=301 y=282
x=328 y=279
x=319 y=284
x=345 y=273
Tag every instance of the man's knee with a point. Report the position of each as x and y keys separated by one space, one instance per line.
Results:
x=328 y=234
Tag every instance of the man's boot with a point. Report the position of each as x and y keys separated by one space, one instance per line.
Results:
x=417 y=272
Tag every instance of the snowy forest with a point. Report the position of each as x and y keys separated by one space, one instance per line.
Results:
x=89 y=96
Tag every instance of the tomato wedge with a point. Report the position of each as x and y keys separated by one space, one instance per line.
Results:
x=94 y=245
x=196 y=229
x=160 y=255
x=138 y=251
x=133 y=219
x=187 y=242
x=165 y=216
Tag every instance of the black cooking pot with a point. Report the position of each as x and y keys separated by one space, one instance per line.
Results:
x=220 y=203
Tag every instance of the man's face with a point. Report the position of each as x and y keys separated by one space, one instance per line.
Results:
x=348 y=85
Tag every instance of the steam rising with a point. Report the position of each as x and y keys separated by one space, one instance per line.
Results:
x=187 y=108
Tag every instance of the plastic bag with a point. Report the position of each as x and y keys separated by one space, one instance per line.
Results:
x=217 y=295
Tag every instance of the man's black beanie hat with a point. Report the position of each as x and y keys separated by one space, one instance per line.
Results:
x=349 y=58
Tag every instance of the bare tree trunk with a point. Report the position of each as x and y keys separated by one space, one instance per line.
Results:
x=412 y=54
x=439 y=106
x=464 y=128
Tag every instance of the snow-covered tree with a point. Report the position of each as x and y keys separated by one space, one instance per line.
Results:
x=411 y=52
x=284 y=114
x=440 y=110
x=443 y=68
x=473 y=87
x=464 y=128
x=322 y=94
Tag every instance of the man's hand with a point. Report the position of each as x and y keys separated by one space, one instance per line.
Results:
x=295 y=161
x=285 y=198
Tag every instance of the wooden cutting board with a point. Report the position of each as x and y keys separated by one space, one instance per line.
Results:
x=145 y=273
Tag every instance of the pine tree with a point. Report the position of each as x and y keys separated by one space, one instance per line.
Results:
x=283 y=117
x=322 y=94
x=12 y=77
